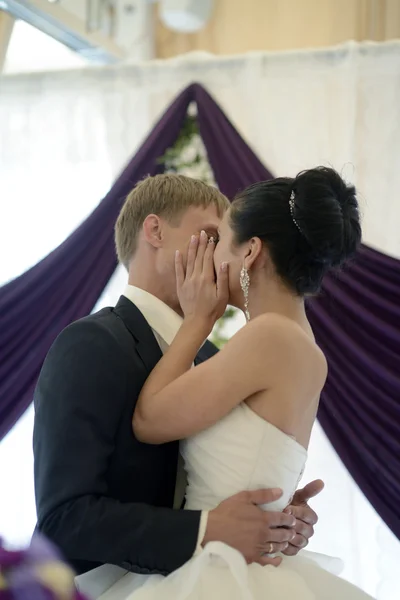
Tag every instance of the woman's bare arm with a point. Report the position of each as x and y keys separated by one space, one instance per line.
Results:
x=178 y=401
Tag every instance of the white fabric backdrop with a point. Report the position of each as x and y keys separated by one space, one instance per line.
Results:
x=64 y=136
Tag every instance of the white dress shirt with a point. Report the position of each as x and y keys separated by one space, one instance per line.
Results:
x=165 y=324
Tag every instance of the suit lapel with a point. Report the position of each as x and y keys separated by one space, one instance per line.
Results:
x=147 y=345
x=206 y=351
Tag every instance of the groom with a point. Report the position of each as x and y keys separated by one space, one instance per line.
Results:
x=101 y=495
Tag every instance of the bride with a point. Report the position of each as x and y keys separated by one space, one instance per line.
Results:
x=246 y=414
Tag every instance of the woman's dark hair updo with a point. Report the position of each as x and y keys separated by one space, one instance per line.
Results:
x=309 y=224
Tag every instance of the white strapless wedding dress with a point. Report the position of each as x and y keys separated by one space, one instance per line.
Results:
x=241 y=452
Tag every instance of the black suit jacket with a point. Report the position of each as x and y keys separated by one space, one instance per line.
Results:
x=101 y=495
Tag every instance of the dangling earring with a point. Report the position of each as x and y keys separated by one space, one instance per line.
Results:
x=245 y=284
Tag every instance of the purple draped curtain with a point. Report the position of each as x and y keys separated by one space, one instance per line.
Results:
x=354 y=318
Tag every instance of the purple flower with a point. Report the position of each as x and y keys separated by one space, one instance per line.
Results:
x=36 y=573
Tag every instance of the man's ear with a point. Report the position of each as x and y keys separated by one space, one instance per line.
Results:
x=153 y=230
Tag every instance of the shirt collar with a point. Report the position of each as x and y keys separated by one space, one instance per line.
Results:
x=161 y=318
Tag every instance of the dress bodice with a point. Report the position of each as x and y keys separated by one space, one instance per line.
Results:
x=241 y=452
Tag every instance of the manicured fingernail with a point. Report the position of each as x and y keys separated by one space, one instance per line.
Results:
x=193 y=239
x=177 y=253
x=285 y=546
x=211 y=240
x=203 y=235
x=224 y=266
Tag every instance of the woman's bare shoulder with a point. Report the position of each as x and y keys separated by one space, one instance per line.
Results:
x=278 y=341
x=270 y=326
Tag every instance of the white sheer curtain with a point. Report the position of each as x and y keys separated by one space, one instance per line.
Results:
x=64 y=136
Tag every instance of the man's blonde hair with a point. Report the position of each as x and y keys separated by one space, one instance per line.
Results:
x=167 y=196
